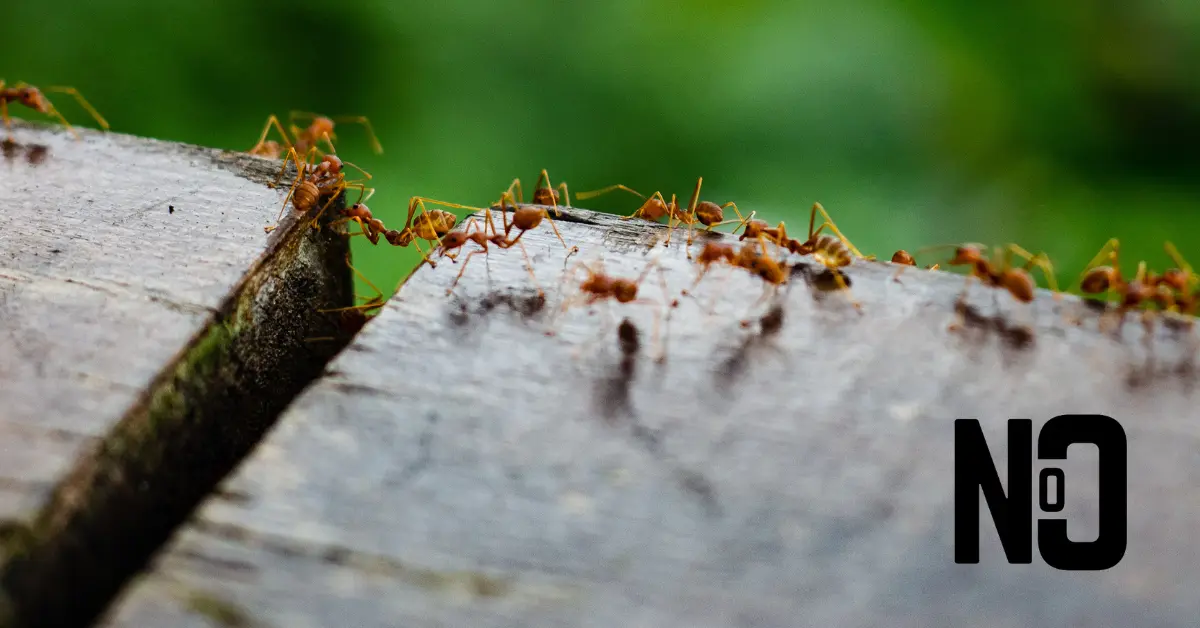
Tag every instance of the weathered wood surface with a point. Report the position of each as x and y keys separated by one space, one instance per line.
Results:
x=135 y=278
x=458 y=467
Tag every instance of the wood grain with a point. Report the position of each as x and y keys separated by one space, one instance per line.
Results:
x=141 y=301
x=456 y=466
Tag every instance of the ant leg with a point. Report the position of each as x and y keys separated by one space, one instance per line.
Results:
x=466 y=260
x=529 y=267
x=52 y=110
x=604 y=330
x=287 y=198
x=338 y=190
x=1109 y=250
x=518 y=199
x=691 y=213
x=594 y=193
x=366 y=124
x=833 y=227
x=424 y=256
x=960 y=306
x=572 y=249
x=301 y=165
x=841 y=282
x=82 y=103
x=272 y=120
x=365 y=173
x=566 y=194
x=1182 y=263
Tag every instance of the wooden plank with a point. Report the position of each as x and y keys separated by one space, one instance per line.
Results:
x=141 y=303
x=458 y=467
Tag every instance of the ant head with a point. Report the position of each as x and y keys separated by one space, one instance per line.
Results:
x=32 y=97
x=335 y=162
x=1098 y=279
x=624 y=290
x=903 y=257
x=453 y=240
x=754 y=227
x=967 y=254
x=1019 y=283
x=322 y=126
x=358 y=208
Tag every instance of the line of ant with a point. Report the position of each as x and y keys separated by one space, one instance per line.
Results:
x=324 y=179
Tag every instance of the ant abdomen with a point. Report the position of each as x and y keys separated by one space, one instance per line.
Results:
x=833 y=251
x=1019 y=284
x=1097 y=280
x=709 y=213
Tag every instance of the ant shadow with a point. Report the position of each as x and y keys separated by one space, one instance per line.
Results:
x=976 y=328
x=731 y=370
x=526 y=304
x=35 y=154
x=823 y=282
x=611 y=397
x=1151 y=371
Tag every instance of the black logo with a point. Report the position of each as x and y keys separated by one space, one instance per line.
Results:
x=974 y=469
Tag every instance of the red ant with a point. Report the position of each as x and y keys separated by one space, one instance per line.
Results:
x=751 y=257
x=600 y=286
x=320 y=129
x=834 y=252
x=1163 y=290
x=428 y=224
x=902 y=258
x=32 y=97
x=455 y=240
x=707 y=213
x=525 y=218
x=316 y=181
x=542 y=194
x=999 y=272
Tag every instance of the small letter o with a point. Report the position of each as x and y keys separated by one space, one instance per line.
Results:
x=1060 y=494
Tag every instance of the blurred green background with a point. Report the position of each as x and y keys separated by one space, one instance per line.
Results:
x=1054 y=125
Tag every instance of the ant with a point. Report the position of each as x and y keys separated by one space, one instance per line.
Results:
x=430 y=224
x=707 y=213
x=999 y=272
x=600 y=286
x=455 y=240
x=542 y=194
x=903 y=258
x=32 y=97
x=1146 y=286
x=751 y=257
x=525 y=218
x=1183 y=279
x=834 y=252
x=316 y=181
x=320 y=129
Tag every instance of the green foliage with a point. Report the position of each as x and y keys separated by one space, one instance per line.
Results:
x=1056 y=125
